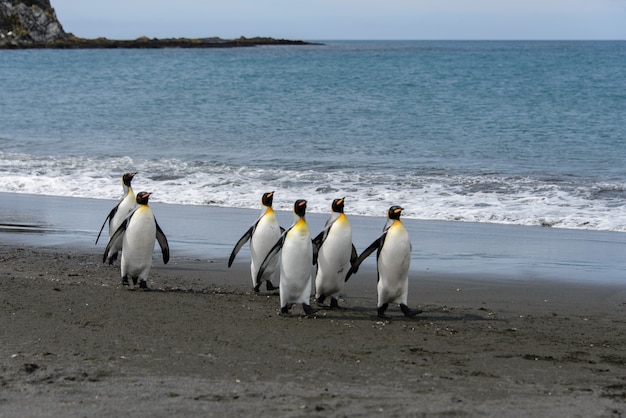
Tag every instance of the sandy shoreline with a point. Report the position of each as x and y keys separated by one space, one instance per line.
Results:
x=201 y=343
x=440 y=248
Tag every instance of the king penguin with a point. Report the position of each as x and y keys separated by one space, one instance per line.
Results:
x=119 y=213
x=393 y=259
x=335 y=253
x=136 y=235
x=295 y=263
x=263 y=234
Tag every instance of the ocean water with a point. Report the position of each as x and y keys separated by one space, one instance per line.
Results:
x=520 y=133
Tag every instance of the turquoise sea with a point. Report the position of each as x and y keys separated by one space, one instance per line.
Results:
x=527 y=133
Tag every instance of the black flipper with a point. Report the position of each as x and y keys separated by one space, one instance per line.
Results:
x=376 y=245
x=272 y=253
x=162 y=240
x=109 y=218
x=244 y=238
x=318 y=241
x=117 y=235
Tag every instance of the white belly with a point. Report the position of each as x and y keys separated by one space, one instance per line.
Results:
x=393 y=267
x=295 y=268
x=138 y=245
x=266 y=234
x=125 y=207
x=333 y=260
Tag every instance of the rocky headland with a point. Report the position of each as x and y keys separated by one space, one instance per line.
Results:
x=28 y=24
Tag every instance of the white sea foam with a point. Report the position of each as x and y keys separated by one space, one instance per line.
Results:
x=520 y=200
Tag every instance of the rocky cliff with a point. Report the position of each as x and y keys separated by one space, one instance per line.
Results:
x=28 y=23
x=33 y=24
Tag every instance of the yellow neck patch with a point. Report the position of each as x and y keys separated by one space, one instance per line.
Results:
x=301 y=225
x=395 y=223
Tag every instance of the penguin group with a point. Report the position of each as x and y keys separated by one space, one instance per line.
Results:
x=286 y=256
x=133 y=230
x=292 y=252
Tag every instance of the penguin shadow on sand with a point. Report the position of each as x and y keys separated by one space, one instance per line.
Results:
x=361 y=309
x=443 y=314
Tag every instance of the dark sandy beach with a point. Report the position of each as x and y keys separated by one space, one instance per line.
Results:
x=516 y=322
x=75 y=343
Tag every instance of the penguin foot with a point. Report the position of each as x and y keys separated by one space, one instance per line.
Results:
x=308 y=310
x=112 y=258
x=125 y=281
x=270 y=286
x=320 y=300
x=408 y=311
x=142 y=284
x=334 y=303
x=134 y=281
x=381 y=311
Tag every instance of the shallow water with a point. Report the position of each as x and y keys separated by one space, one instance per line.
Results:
x=464 y=249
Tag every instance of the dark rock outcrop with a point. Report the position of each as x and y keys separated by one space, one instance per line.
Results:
x=33 y=24
x=28 y=23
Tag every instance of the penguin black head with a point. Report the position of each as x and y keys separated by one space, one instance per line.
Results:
x=267 y=199
x=395 y=212
x=142 y=198
x=337 y=205
x=299 y=207
x=127 y=178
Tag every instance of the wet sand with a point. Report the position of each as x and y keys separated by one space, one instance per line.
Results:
x=75 y=343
